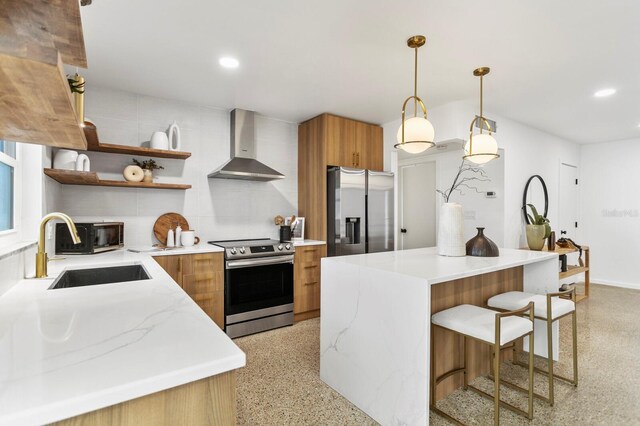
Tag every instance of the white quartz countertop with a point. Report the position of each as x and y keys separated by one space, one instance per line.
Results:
x=69 y=351
x=426 y=263
x=202 y=247
x=309 y=243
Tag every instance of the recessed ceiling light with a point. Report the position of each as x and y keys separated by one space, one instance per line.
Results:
x=229 y=62
x=604 y=92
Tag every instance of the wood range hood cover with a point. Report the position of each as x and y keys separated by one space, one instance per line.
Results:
x=243 y=163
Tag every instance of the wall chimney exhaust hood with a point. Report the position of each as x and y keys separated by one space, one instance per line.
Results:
x=243 y=163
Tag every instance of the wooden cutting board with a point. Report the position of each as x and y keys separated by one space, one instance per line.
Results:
x=168 y=221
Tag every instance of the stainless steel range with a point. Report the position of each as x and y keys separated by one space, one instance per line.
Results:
x=258 y=285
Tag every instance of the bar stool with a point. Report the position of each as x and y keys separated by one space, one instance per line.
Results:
x=550 y=308
x=494 y=328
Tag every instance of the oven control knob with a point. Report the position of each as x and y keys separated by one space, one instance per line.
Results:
x=288 y=246
x=233 y=250
x=280 y=247
x=241 y=250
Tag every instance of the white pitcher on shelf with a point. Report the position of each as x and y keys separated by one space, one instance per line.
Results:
x=66 y=159
x=173 y=132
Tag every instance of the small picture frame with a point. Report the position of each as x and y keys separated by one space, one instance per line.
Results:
x=297 y=228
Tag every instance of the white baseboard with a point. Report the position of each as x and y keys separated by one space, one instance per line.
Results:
x=615 y=283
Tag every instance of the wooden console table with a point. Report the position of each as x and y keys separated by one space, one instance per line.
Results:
x=582 y=267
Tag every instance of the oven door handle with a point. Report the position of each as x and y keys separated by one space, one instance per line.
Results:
x=235 y=264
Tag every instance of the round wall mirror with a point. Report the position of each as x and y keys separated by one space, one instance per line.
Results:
x=535 y=192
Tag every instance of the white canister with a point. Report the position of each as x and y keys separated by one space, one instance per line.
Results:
x=178 y=236
x=159 y=140
x=451 y=230
x=65 y=159
x=171 y=242
x=189 y=238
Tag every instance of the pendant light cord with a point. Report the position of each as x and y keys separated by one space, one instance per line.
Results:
x=415 y=83
x=481 y=123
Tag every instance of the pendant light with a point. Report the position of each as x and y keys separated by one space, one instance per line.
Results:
x=415 y=134
x=481 y=148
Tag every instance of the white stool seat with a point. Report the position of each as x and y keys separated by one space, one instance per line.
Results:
x=480 y=323
x=517 y=299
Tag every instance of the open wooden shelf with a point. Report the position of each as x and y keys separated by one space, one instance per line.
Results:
x=70 y=177
x=94 y=144
x=36 y=104
x=573 y=270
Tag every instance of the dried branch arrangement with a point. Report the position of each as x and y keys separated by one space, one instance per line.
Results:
x=464 y=178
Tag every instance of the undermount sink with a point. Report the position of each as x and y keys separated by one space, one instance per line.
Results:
x=97 y=276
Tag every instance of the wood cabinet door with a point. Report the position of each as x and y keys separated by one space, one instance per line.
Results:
x=306 y=291
x=340 y=141
x=172 y=265
x=369 y=146
x=203 y=281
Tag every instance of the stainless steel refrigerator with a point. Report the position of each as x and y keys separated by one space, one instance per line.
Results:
x=360 y=211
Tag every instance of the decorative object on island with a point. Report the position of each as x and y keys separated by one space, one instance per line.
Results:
x=173 y=133
x=297 y=227
x=451 y=223
x=133 y=173
x=66 y=159
x=538 y=230
x=76 y=84
x=483 y=147
x=148 y=166
x=482 y=246
x=451 y=230
x=415 y=134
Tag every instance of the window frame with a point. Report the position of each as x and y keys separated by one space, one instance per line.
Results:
x=14 y=163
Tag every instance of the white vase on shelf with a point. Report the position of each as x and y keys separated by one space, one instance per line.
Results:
x=451 y=230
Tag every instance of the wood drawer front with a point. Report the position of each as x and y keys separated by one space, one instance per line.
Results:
x=306 y=296
x=310 y=254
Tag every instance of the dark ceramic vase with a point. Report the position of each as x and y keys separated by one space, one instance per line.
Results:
x=481 y=246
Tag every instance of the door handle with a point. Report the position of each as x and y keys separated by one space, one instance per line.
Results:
x=353 y=159
x=358 y=159
x=563 y=232
x=403 y=230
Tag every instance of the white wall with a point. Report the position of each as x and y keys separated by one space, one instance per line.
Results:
x=215 y=208
x=479 y=211
x=527 y=151
x=610 y=210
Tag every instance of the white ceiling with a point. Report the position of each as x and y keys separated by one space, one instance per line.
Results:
x=300 y=58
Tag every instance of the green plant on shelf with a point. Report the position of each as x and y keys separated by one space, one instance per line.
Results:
x=149 y=164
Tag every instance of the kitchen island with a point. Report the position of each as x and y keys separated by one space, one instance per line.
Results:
x=127 y=353
x=375 y=323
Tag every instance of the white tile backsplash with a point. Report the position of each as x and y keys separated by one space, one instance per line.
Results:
x=216 y=208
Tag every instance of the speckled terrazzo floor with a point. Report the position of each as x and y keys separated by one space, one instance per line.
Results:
x=281 y=384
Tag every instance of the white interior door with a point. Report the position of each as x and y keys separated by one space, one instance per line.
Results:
x=568 y=208
x=417 y=205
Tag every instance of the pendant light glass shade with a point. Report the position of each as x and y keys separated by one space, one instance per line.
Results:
x=415 y=134
x=483 y=147
x=418 y=135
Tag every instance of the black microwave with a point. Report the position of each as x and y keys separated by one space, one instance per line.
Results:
x=94 y=238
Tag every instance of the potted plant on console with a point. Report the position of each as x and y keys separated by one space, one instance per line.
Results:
x=538 y=230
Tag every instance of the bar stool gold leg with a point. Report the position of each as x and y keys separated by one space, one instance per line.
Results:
x=496 y=367
x=574 y=318
x=531 y=370
x=550 y=352
x=432 y=381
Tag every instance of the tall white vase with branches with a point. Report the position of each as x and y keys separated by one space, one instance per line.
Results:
x=451 y=222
